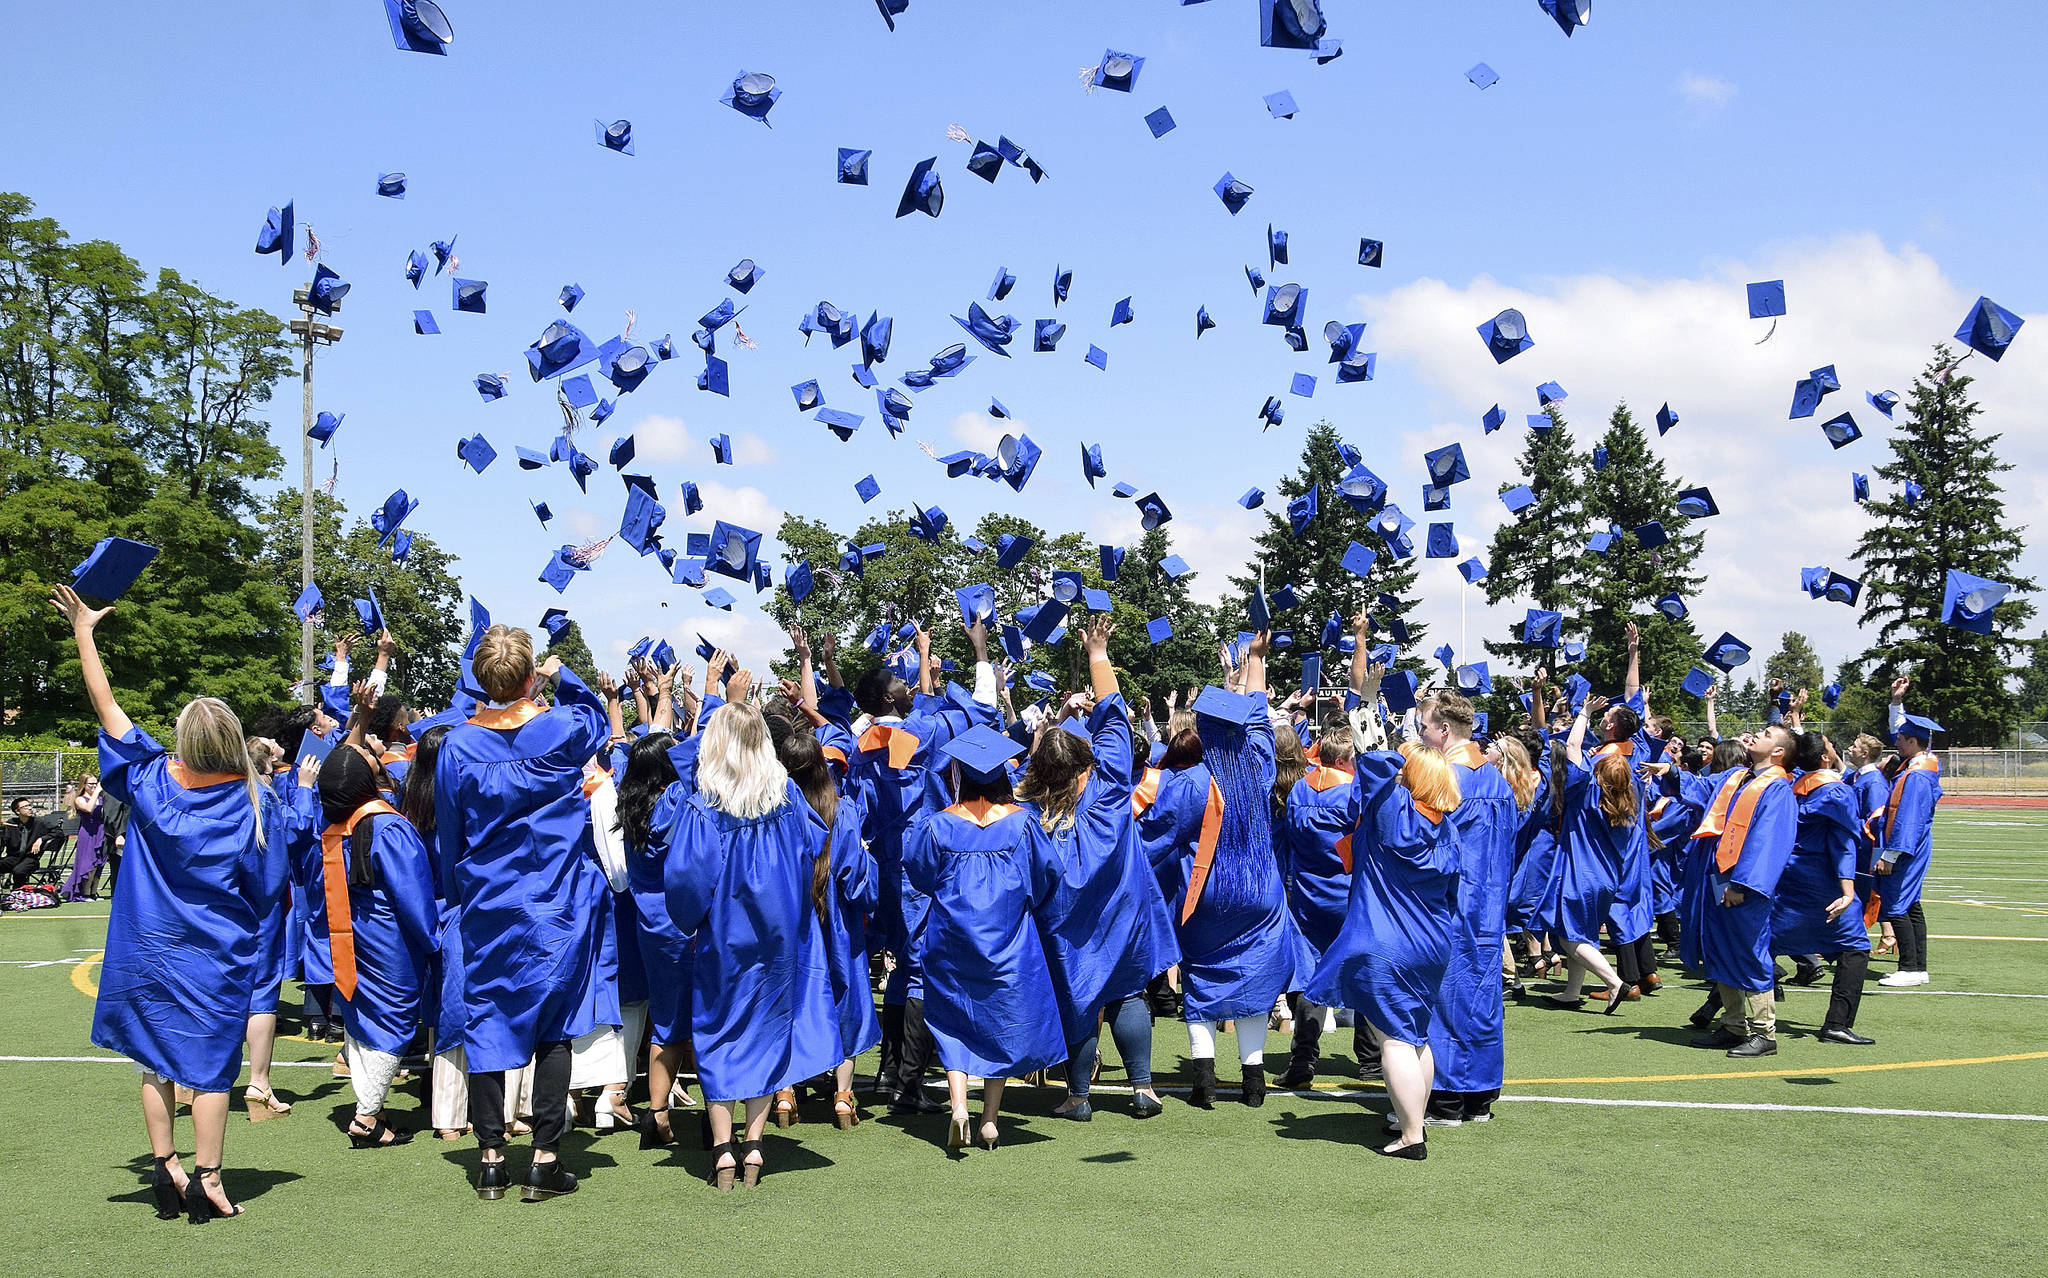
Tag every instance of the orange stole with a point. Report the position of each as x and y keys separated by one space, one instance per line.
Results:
x=901 y=744
x=518 y=714
x=1205 y=851
x=1320 y=779
x=341 y=932
x=1922 y=762
x=1467 y=754
x=1730 y=849
x=191 y=780
x=833 y=754
x=983 y=812
x=1146 y=792
x=1815 y=780
x=1717 y=811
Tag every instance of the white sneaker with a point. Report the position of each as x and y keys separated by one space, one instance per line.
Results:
x=1897 y=979
x=1921 y=978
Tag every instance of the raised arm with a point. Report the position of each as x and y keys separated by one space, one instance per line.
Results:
x=926 y=684
x=1632 y=683
x=1575 y=744
x=1101 y=674
x=614 y=706
x=380 y=671
x=690 y=702
x=828 y=652
x=1713 y=727
x=1895 y=717
x=1797 y=719
x=1539 y=704
x=1361 y=651
x=806 y=675
x=113 y=720
x=1255 y=663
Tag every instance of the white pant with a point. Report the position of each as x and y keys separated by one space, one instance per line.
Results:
x=370 y=1073
x=451 y=1090
x=1251 y=1039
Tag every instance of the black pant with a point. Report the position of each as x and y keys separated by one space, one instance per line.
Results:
x=892 y=1048
x=1635 y=959
x=916 y=1051
x=1911 y=930
x=550 y=1100
x=1667 y=930
x=1850 y=968
x=20 y=868
x=319 y=1003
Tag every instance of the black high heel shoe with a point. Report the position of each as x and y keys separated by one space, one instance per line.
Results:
x=170 y=1204
x=199 y=1206
x=650 y=1131
x=374 y=1138
x=720 y=1178
x=750 y=1173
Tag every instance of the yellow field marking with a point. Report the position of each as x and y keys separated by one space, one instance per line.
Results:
x=85 y=984
x=1763 y=1073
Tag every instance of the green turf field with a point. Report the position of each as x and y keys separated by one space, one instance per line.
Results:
x=1699 y=1175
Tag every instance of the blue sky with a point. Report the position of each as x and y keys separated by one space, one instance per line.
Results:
x=1619 y=187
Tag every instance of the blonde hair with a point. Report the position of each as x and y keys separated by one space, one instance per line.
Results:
x=1178 y=722
x=1521 y=774
x=503 y=663
x=737 y=771
x=1429 y=776
x=208 y=738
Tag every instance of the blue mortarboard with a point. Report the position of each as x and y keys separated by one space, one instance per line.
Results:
x=324 y=426
x=424 y=324
x=554 y=621
x=1160 y=122
x=1370 y=252
x=1666 y=419
x=734 y=550
x=1859 y=486
x=415 y=267
x=1019 y=457
x=796 y=578
x=1831 y=695
x=622 y=452
x=1518 y=499
x=1040 y=620
x=642 y=520
x=744 y=275
x=1046 y=334
x=1573 y=650
x=1442 y=543
x=444 y=252
x=1482 y=75
x=1397 y=689
x=1232 y=192
x=1284 y=305
x=1541 y=423
x=1118 y=71
x=1474 y=679
x=1227 y=707
x=1011 y=549
x=1599 y=458
x=1361 y=488
x=1092 y=468
x=1175 y=567
x=419 y=26
x=867 y=488
x=1988 y=329
x=1062 y=281
x=1806 y=397
x=1447 y=465
x=1568 y=14
x=1358 y=560
x=1473 y=570
x=1542 y=628
x=1000 y=287
x=1097 y=600
x=1271 y=412
x=468 y=294
x=1120 y=313
x=1202 y=321
x=752 y=94
x=1301 y=512
x=1727 y=652
x=397 y=508
x=1576 y=690
x=1253 y=498
x=1842 y=431
x=1911 y=493
x=692 y=502
x=1698 y=682
x=1673 y=606
x=560 y=348
x=719 y=597
x=370 y=612
x=327 y=290
x=1968 y=600
x=853 y=166
x=569 y=296
x=1283 y=599
x=1257 y=611
x=1303 y=385
x=923 y=192
x=1290 y=24
x=927 y=523
x=542 y=513
x=278 y=234
x=1493 y=420
x=112 y=567
x=1112 y=561
x=1884 y=402
x=1122 y=490
x=1920 y=727
x=1159 y=629
x=1256 y=278
x=1651 y=535
x=1152 y=511
x=977 y=603
x=577 y=391
x=1550 y=393
x=1697 y=503
x=477 y=452
x=1767 y=300
x=1506 y=335
x=1276 y=246
x=1840 y=589
x=308 y=602
x=841 y=423
x=721 y=449
x=1098 y=357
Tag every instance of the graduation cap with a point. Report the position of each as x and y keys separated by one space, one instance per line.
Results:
x=1290 y=24
x=1806 y=397
x=1118 y=71
x=1358 y=560
x=752 y=94
x=542 y=513
x=1153 y=511
x=923 y=192
x=1046 y=335
x=1698 y=682
x=1474 y=679
x=577 y=392
x=1673 y=606
x=327 y=290
x=1859 y=486
x=1911 y=493
x=890 y=8
x=112 y=567
x=1112 y=561
x=1568 y=14
x=395 y=510
x=1988 y=329
x=1303 y=385
x=1447 y=465
x=1098 y=357
x=1284 y=305
x=308 y=602
x=1968 y=600
x=277 y=235
x=370 y=612
x=986 y=162
x=642 y=521
x=1518 y=499
x=1370 y=252
x=1727 y=652
x=1005 y=281
x=1651 y=535
x=1271 y=412
x=1301 y=512
x=1482 y=75
x=324 y=426
x=1697 y=503
x=1473 y=570
x=977 y=603
x=839 y=422
x=1884 y=402
x=1442 y=543
x=1767 y=300
x=415 y=267
x=1542 y=628
x=1666 y=419
x=1159 y=630
x=1175 y=567
x=1919 y=727
x=853 y=166
x=468 y=294
x=1506 y=335
x=1161 y=124
x=719 y=597
x=926 y=524
x=1363 y=490
x=424 y=324
x=1018 y=457
x=1232 y=192
x=1067 y=585
x=1840 y=589
x=1041 y=620
x=1599 y=458
x=476 y=452
x=995 y=331
x=1092 y=468
x=444 y=253
x=1842 y=431
x=1232 y=708
x=733 y=551
x=1493 y=420
x=1011 y=549
x=1541 y=423
x=419 y=26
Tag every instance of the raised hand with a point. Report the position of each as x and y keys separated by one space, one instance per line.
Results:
x=1361 y=624
x=1634 y=636
x=1095 y=639
x=82 y=618
x=828 y=645
x=309 y=772
x=737 y=687
x=800 y=643
x=607 y=686
x=549 y=668
x=1260 y=642
x=345 y=645
x=1595 y=707
x=386 y=645
x=1900 y=686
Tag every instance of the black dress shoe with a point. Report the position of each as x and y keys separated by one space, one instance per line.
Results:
x=1143 y=1106
x=1202 y=1095
x=1755 y=1045
x=1418 y=1151
x=492 y=1180
x=1296 y=1078
x=547 y=1180
x=911 y=1104
x=1705 y=1016
x=1253 y=1090
x=1808 y=973
x=1848 y=1036
x=1721 y=1037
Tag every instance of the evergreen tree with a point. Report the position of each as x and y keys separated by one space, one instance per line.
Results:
x=1624 y=584
x=1797 y=664
x=2033 y=695
x=1186 y=660
x=1959 y=521
x=571 y=647
x=1313 y=564
x=1862 y=708
x=1538 y=556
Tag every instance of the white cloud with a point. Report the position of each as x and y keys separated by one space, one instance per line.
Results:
x=1216 y=540
x=746 y=506
x=1704 y=93
x=1872 y=311
x=981 y=432
x=662 y=438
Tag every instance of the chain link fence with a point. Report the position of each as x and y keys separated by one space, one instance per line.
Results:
x=41 y=775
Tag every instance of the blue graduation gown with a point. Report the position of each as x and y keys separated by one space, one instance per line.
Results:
x=1388 y=961
x=299 y=835
x=1672 y=822
x=1305 y=839
x=1823 y=855
x=1533 y=891
x=513 y=841
x=666 y=957
x=274 y=938
x=396 y=925
x=189 y=904
x=855 y=890
x=1871 y=793
x=1736 y=941
x=451 y=1011
x=1696 y=862
x=1601 y=861
x=1910 y=832
x=988 y=997
x=1467 y=1037
x=761 y=1016
x=1106 y=929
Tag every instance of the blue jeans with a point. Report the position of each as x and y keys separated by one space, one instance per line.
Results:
x=1130 y=1024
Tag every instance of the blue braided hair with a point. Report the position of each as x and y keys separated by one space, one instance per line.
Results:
x=1244 y=873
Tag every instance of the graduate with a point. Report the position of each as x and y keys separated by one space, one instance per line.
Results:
x=1867 y=777
x=1209 y=838
x=1754 y=836
x=259 y=1099
x=743 y=853
x=988 y=997
x=1312 y=840
x=1905 y=838
x=1816 y=909
x=382 y=926
x=443 y=1009
x=649 y=803
x=1106 y=929
x=1533 y=889
x=1510 y=754
x=1467 y=1038
x=1389 y=959
x=203 y=870
x=1602 y=847
x=513 y=841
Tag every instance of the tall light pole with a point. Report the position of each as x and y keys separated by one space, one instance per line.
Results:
x=310 y=332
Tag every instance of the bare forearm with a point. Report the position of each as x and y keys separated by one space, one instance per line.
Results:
x=113 y=720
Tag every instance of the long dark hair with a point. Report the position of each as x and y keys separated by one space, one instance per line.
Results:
x=417 y=800
x=648 y=773
x=804 y=759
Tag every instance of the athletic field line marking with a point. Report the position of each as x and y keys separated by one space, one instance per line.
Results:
x=1961 y=993
x=1816 y=1070
x=1938 y=936
x=16 y=916
x=83 y=983
x=1860 y=1110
